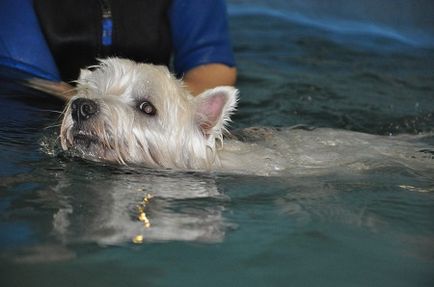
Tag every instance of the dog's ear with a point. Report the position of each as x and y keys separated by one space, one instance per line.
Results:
x=214 y=108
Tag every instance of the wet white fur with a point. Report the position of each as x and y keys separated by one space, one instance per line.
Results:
x=173 y=138
x=187 y=134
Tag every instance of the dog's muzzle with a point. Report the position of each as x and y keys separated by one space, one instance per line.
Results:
x=83 y=109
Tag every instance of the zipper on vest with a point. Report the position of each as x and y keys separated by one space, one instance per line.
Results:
x=106 y=27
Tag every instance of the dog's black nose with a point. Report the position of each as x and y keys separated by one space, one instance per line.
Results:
x=83 y=109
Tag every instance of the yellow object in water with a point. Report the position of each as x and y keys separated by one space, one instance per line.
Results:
x=138 y=239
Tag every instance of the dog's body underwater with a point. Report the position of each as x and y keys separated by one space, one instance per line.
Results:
x=132 y=113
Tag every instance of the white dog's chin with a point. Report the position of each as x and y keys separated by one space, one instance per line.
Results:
x=126 y=112
x=88 y=146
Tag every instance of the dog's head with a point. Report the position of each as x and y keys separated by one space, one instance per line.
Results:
x=127 y=112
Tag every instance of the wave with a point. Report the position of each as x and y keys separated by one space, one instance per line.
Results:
x=415 y=38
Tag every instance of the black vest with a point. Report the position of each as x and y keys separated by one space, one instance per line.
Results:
x=74 y=31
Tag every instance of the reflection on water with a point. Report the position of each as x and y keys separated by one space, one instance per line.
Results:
x=111 y=206
x=146 y=207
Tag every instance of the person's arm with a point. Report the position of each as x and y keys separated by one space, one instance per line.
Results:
x=22 y=45
x=24 y=53
x=209 y=76
x=202 y=50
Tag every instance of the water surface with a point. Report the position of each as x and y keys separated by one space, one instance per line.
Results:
x=70 y=222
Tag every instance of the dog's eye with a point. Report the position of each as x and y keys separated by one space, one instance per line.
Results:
x=147 y=108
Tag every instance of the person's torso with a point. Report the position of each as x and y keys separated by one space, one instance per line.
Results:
x=80 y=31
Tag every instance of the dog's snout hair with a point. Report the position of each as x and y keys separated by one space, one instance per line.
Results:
x=128 y=112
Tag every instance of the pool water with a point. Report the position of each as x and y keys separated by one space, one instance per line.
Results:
x=70 y=222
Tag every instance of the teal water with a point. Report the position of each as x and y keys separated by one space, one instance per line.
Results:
x=69 y=222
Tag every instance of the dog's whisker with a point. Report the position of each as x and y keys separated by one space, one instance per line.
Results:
x=50 y=111
x=52 y=126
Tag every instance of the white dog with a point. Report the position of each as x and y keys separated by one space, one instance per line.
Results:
x=132 y=113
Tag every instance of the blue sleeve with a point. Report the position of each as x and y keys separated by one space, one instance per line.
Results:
x=22 y=44
x=200 y=34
